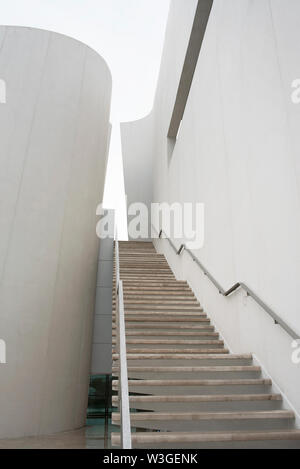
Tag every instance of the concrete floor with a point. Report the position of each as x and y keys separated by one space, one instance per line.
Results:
x=90 y=437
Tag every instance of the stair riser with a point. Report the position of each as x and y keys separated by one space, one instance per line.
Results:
x=242 y=445
x=140 y=276
x=145 y=323
x=209 y=407
x=141 y=262
x=216 y=425
x=174 y=337
x=162 y=318
x=156 y=290
x=148 y=280
x=191 y=375
x=160 y=287
x=142 y=304
x=144 y=266
x=177 y=348
x=155 y=293
x=161 y=299
x=141 y=308
x=181 y=315
x=177 y=284
x=200 y=390
x=191 y=362
x=152 y=271
x=170 y=327
x=148 y=321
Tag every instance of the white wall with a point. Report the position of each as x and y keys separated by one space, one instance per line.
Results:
x=238 y=152
x=137 y=152
x=102 y=336
x=53 y=133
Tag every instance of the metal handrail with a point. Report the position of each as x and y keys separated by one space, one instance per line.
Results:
x=239 y=285
x=123 y=392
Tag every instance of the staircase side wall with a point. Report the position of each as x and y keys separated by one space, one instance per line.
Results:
x=238 y=153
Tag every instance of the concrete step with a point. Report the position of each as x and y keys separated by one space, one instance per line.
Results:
x=181 y=316
x=140 y=270
x=171 y=346
x=171 y=335
x=155 y=272
x=211 y=421
x=158 y=287
x=160 y=284
x=191 y=372
x=146 y=255
x=178 y=326
x=208 y=403
x=164 y=307
x=156 y=294
x=146 y=279
x=284 y=439
x=219 y=359
x=141 y=302
x=164 y=319
x=173 y=387
x=149 y=298
x=181 y=359
x=139 y=257
x=143 y=263
x=167 y=350
x=144 y=267
x=184 y=316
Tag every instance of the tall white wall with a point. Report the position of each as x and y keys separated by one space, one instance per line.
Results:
x=102 y=336
x=137 y=152
x=53 y=133
x=238 y=152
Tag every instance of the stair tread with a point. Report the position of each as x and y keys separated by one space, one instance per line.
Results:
x=175 y=352
x=173 y=327
x=205 y=437
x=199 y=357
x=232 y=415
x=176 y=311
x=129 y=301
x=172 y=342
x=166 y=309
x=166 y=318
x=199 y=382
x=202 y=398
x=191 y=369
x=170 y=356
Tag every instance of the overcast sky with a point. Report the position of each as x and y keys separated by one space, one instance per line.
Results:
x=129 y=34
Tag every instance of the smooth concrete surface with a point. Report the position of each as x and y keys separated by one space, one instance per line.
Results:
x=54 y=133
x=238 y=153
x=191 y=59
x=92 y=437
x=138 y=164
x=102 y=336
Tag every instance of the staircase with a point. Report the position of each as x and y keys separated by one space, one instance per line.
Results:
x=186 y=389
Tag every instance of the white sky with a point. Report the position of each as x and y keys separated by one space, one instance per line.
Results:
x=129 y=34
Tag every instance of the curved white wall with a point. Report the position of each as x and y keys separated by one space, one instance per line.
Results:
x=138 y=163
x=54 y=131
